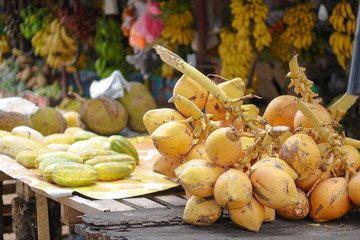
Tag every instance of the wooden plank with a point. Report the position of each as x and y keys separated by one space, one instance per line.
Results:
x=7 y=210
x=114 y=205
x=42 y=217
x=134 y=218
x=7 y=198
x=141 y=202
x=90 y=206
x=103 y=226
x=169 y=200
x=9 y=186
x=4 y=176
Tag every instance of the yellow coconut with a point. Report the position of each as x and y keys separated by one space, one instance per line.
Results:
x=198 y=176
x=156 y=117
x=250 y=216
x=234 y=88
x=273 y=187
x=354 y=186
x=317 y=109
x=197 y=152
x=270 y=214
x=277 y=163
x=222 y=148
x=201 y=211
x=190 y=89
x=330 y=200
x=302 y=154
x=166 y=166
x=296 y=211
x=354 y=157
x=233 y=189
x=281 y=111
x=306 y=184
x=172 y=139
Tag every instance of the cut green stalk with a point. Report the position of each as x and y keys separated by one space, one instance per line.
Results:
x=353 y=142
x=340 y=107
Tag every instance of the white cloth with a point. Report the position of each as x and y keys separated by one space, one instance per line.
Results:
x=17 y=104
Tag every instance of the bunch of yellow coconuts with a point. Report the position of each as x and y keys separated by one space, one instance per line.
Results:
x=290 y=161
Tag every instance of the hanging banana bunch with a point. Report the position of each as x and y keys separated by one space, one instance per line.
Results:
x=249 y=34
x=178 y=29
x=249 y=20
x=280 y=48
x=178 y=24
x=53 y=43
x=300 y=21
x=4 y=39
x=235 y=53
x=343 y=21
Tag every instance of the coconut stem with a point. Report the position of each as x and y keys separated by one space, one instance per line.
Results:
x=300 y=82
x=195 y=112
x=203 y=126
x=339 y=108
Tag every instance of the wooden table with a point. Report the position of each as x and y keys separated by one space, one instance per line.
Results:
x=159 y=216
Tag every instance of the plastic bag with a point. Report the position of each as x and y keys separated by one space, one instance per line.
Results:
x=112 y=86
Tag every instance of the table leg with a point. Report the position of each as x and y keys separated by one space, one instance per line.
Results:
x=1 y=212
x=42 y=217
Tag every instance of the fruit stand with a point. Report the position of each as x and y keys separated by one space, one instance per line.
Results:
x=139 y=119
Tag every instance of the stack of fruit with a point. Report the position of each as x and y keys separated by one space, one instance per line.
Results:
x=300 y=22
x=250 y=34
x=343 y=20
x=73 y=158
x=110 y=51
x=280 y=48
x=34 y=19
x=178 y=23
x=53 y=43
x=33 y=75
x=290 y=160
x=4 y=40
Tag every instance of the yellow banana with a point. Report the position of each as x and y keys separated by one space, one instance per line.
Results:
x=69 y=42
